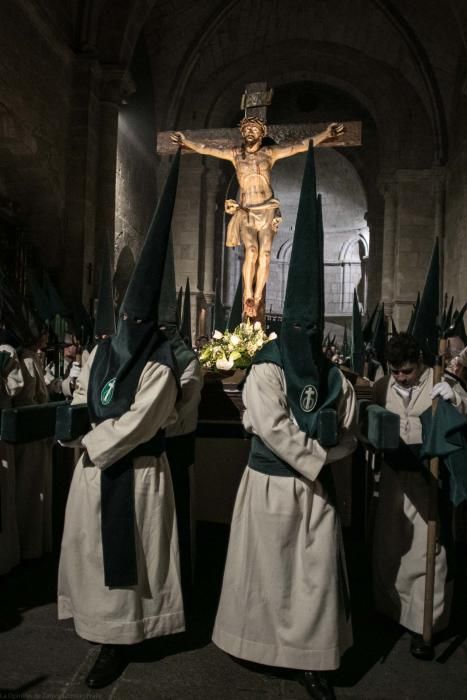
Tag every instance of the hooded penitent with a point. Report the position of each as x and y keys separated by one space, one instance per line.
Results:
x=104 y=323
x=185 y=328
x=235 y=316
x=312 y=381
x=358 y=354
x=115 y=373
x=345 y=349
x=379 y=336
x=425 y=327
x=369 y=327
x=168 y=314
x=413 y=315
x=219 y=315
x=179 y=306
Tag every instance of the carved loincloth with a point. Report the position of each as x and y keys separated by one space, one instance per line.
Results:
x=258 y=217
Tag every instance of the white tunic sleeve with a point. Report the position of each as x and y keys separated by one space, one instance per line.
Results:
x=191 y=383
x=80 y=394
x=268 y=416
x=460 y=398
x=346 y=419
x=12 y=381
x=151 y=410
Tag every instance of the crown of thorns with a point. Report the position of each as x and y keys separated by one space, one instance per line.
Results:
x=254 y=121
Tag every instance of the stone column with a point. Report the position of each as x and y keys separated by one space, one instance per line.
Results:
x=114 y=87
x=97 y=93
x=389 y=244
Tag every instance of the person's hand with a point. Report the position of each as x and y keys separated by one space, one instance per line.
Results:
x=178 y=138
x=75 y=370
x=49 y=373
x=5 y=357
x=443 y=390
x=456 y=366
x=334 y=130
x=231 y=206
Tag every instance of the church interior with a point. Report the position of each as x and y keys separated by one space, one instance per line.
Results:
x=88 y=90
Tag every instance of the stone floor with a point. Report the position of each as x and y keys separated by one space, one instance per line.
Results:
x=43 y=658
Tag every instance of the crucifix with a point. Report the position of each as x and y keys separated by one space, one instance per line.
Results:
x=256 y=216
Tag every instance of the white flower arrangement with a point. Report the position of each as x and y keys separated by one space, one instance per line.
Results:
x=234 y=350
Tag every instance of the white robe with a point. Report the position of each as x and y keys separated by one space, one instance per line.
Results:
x=191 y=383
x=400 y=532
x=283 y=597
x=154 y=606
x=33 y=468
x=11 y=383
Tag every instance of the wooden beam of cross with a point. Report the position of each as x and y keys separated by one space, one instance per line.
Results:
x=254 y=102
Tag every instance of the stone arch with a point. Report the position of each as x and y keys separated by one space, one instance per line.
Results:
x=420 y=65
x=360 y=241
x=116 y=40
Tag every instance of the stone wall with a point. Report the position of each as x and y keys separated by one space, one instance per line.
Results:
x=35 y=96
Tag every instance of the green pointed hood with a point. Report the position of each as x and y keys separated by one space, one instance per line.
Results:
x=236 y=312
x=304 y=296
x=219 y=315
x=168 y=316
x=143 y=292
x=369 y=327
x=458 y=323
x=104 y=323
x=120 y=359
x=379 y=337
x=311 y=382
x=413 y=315
x=179 y=306
x=345 y=349
x=56 y=305
x=425 y=327
x=38 y=296
x=357 y=355
x=185 y=329
x=168 y=300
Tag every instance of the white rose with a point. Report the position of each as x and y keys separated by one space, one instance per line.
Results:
x=217 y=335
x=234 y=339
x=257 y=326
x=224 y=364
x=272 y=336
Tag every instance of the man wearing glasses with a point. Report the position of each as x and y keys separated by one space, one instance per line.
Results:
x=400 y=533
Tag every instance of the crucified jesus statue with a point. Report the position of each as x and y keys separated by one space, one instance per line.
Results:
x=256 y=216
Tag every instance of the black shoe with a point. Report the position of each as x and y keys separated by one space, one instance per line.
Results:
x=421 y=649
x=318 y=686
x=109 y=665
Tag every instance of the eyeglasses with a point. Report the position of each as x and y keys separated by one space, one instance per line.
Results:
x=406 y=371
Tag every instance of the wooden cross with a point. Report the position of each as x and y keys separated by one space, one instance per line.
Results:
x=255 y=100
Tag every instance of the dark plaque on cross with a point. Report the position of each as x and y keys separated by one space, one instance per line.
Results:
x=256 y=216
